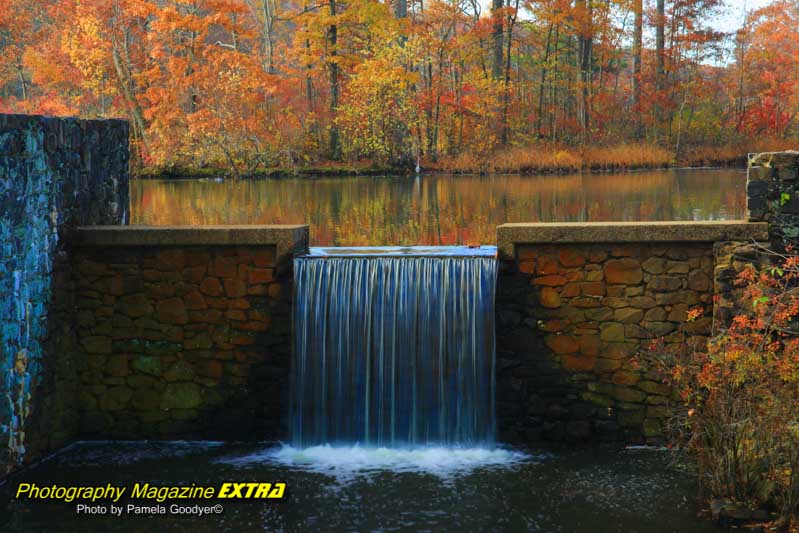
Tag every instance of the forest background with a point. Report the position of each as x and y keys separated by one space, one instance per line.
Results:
x=251 y=86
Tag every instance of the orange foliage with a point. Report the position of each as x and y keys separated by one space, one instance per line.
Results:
x=741 y=394
x=245 y=84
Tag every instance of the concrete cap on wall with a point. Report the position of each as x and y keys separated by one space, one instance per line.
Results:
x=509 y=235
x=288 y=239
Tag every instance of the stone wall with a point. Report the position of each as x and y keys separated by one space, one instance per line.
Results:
x=185 y=333
x=772 y=191
x=577 y=308
x=54 y=174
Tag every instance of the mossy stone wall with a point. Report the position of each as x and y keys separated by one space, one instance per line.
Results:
x=55 y=173
x=183 y=342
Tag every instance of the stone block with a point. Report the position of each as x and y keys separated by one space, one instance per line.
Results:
x=225 y=267
x=589 y=344
x=623 y=271
x=96 y=345
x=611 y=332
x=546 y=265
x=115 y=399
x=172 y=311
x=561 y=344
x=235 y=288
x=664 y=283
x=624 y=377
x=628 y=315
x=134 y=305
x=569 y=257
x=756 y=187
x=147 y=364
x=550 y=281
x=181 y=396
x=549 y=298
x=264 y=258
x=597 y=399
x=211 y=287
x=259 y=275
x=599 y=314
x=654 y=265
x=656 y=314
x=179 y=371
x=619 y=350
x=699 y=281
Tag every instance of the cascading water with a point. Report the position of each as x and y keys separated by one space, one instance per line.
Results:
x=394 y=347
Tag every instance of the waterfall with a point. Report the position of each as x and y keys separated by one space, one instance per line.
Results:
x=394 y=346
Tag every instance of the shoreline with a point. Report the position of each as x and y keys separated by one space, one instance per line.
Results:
x=434 y=170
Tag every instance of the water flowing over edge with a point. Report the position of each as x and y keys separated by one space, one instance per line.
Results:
x=393 y=351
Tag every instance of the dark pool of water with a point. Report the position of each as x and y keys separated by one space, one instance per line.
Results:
x=439 y=210
x=630 y=491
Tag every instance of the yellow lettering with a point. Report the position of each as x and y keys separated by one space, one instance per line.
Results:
x=20 y=490
x=263 y=490
x=278 y=491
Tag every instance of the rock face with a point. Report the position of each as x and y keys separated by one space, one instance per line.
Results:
x=183 y=341
x=772 y=195
x=587 y=314
x=55 y=173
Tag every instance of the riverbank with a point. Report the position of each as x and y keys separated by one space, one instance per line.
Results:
x=554 y=159
x=325 y=169
x=526 y=161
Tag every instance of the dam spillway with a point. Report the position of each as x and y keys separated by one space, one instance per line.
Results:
x=394 y=347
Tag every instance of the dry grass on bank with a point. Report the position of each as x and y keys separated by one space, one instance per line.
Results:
x=559 y=159
x=736 y=152
x=626 y=156
x=545 y=159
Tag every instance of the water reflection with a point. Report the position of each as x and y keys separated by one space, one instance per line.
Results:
x=439 y=210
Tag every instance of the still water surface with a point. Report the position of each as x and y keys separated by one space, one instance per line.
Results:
x=378 y=490
x=439 y=210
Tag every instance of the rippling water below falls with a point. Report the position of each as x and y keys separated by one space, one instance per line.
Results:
x=357 y=489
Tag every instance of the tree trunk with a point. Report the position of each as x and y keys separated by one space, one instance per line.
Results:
x=506 y=88
x=23 y=84
x=660 y=69
x=269 y=47
x=544 y=68
x=309 y=80
x=585 y=44
x=400 y=8
x=125 y=84
x=335 y=141
x=637 y=45
x=498 y=44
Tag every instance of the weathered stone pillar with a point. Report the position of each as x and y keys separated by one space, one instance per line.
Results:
x=772 y=194
x=54 y=173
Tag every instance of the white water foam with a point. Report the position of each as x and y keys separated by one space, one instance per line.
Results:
x=346 y=462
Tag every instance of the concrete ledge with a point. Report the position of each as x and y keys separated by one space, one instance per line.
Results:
x=288 y=240
x=509 y=235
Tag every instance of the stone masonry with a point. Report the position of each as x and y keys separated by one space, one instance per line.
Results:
x=772 y=194
x=184 y=341
x=55 y=173
x=575 y=319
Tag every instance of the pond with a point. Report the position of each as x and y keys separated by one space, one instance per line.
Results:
x=439 y=210
x=354 y=489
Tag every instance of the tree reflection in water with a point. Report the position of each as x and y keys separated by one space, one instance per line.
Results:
x=439 y=210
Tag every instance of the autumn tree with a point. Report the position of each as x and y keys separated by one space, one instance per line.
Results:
x=241 y=84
